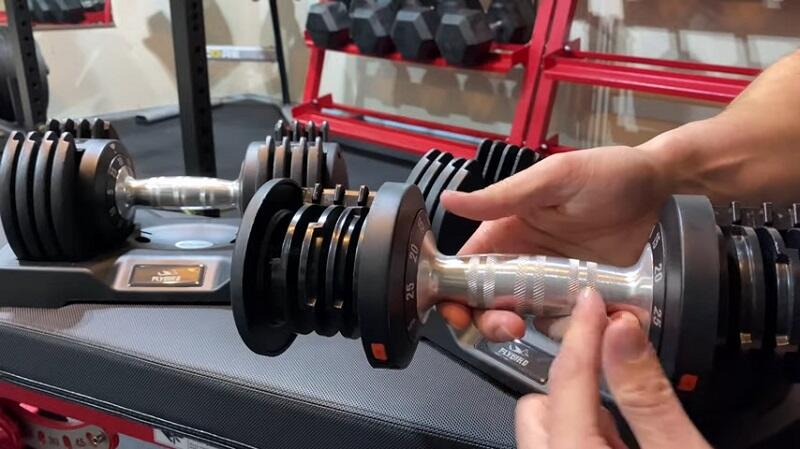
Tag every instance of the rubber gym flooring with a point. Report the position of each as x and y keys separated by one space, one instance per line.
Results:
x=157 y=151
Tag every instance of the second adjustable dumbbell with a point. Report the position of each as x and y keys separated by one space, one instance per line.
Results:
x=63 y=198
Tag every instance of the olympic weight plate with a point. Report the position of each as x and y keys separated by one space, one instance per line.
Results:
x=302 y=319
x=778 y=287
x=482 y=154
x=23 y=195
x=249 y=174
x=507 y=161
x=313 y=259
x=495 y=153
x=525 y=158
x=63 y=192
x=747 y=278
x=422 y=165
x=298 y=161
x=429 y=177
x=280 y=167
x=451 y=230
x=440 y=185
x=314 y=163
x=335 y=170
x=41 y=196
x=251 y=311
x=8 y=208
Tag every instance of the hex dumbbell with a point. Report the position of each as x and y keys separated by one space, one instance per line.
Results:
x=71 y=192
x=328 y=24
x=414 y=30
x=465 y=35
x=371 y=24
x=366 y=266
x=438 y=171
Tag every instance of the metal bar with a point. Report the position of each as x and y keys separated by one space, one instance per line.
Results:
x=409 y=142
x=700 y=87
x=687 y=65
x=316 y=61
x=276 y=31
x=240 y=53
x=31 y=110
x=503 y=57
x=191 y=67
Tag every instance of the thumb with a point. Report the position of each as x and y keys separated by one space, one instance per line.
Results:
x=537 y=185
x=641 y=390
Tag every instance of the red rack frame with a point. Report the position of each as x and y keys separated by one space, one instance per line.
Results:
x=548 y=59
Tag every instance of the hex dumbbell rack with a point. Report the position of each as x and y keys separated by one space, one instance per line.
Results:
x=547 y=59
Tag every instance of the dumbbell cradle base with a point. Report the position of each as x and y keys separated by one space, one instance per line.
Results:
x=185 y=261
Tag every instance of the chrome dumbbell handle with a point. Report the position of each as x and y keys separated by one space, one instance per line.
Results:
x=542 y=286
x=176 y=193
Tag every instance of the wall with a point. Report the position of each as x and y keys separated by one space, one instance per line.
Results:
x=130 y=66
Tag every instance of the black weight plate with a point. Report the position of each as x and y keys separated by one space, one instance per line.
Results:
x=269 y=149
x=298 y=162
x=495 y=153
x=277 y=312
x=451 y=230
x=69 y=126
x=98 y=129
x=311 y=131
x=324 y=131
x=728 y=323
x=525 y=158
x=313 y=257
x=482 y=153
x=281 y=159
x=792 y=238
x=23 y=195
x=8 y=208
x=335 y=168
x=422 y=165
x=297 y=131
x=258 y=328
x=507 y=162
x=53 y=125
x=248 y=175
x=314 y=163
x=432 y=200
x=429 y=177
x=84 y=129
x=794 y=270
x=777 y=285
x=41 y=196
x=747 y=277
x=334 y=302
x=346 y=267
x=280 y=130
x=63 y=192
x=100 y=164
x=302 y=319
x=264 y=163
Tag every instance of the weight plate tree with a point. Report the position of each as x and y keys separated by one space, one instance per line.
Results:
x=369 y=268
x=437 y=171
x=71 y=193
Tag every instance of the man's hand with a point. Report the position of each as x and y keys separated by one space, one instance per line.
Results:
x=572 y=417
x=598 y=205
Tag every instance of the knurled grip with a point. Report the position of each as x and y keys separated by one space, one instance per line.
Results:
x=181 y=192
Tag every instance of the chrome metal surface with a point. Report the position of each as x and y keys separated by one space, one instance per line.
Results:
x=541 y=286
x=175 y=192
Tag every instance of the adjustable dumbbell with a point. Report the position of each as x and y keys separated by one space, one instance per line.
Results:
x=71 y=193
x=439 y=171
x=465 y=34
x=328 y=24
x=368 y=267
x=371 y=25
